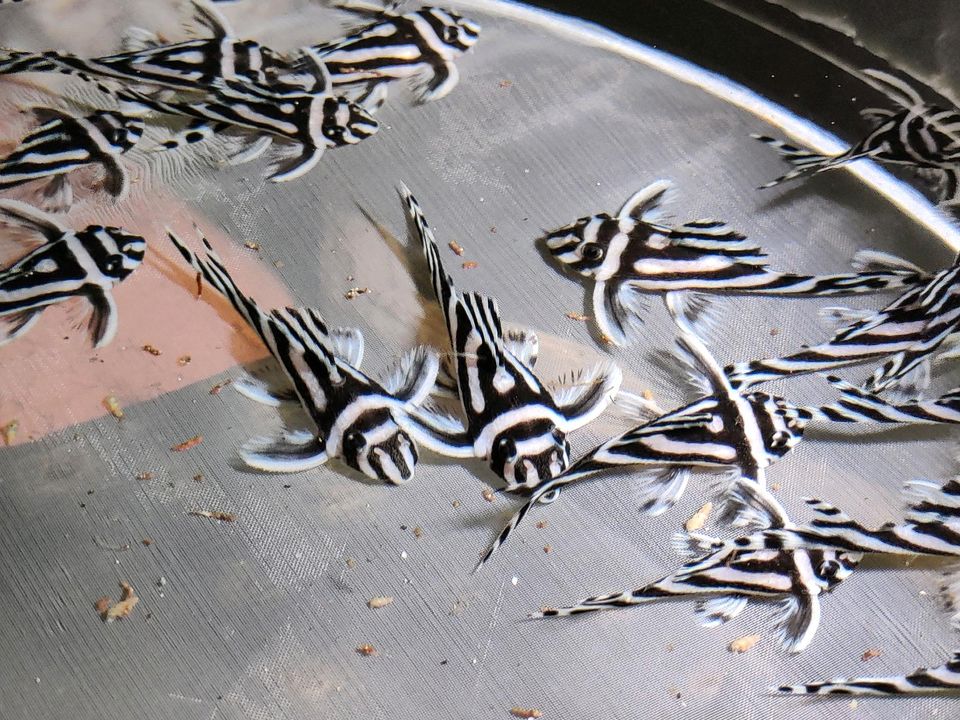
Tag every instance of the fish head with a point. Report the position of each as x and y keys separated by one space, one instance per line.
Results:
x=527 y=456
x=458 y=33
x=580 y=245
x=834 y=567
x=341 y=122
x=786 y=422
x=374 y=445
x=116 y=251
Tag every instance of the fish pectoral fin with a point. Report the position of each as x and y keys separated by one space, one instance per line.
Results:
x=260 y=392
x=715 y=611
x=115 y=180
x=647 y=203
x=443 y=79
x=637 y=407
x=16 y=324
x=57 y=195
x=298 y=166
x=251 y=149
x=441 y=433
x=798 y=621
x=413 y=376
x=587 y=394
x=103 y=320
x=523 y=344
x=25 y=215
x=292 y=452
x=661 y=488
x=373 y=96
x=617 y=310
x=348 y=345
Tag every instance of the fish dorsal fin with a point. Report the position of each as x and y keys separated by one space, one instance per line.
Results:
x=869 y=260
x=748 y=505
x=413 y=376
x=705 y=371
x=524 y=345
x=20 y=213
x=646 y=203
x=716 y=236
x=718 y=610
x=202 y=14
x=933 y=502
x=348 y=345
x=636 y=407
x=899 y=91
x=826 y=514
x=137 y=39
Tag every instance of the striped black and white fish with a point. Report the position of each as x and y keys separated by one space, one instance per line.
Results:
x=725 y=428
x=423 y=45
x=63 y=143
x=310 y=123
x=918 y=134
x=636 y=252
x=190 y=66
x=357 y=418
x=907 y=333
x=939 y=679
x=513 y=421
x=86 y=264
x=726 y=579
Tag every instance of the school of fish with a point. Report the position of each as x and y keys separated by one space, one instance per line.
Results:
x=477 y=394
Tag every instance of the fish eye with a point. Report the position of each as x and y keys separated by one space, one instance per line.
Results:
x=508 y=447
x=354 y=440
x=449 y=33
x=591 y=251
x=114 y=264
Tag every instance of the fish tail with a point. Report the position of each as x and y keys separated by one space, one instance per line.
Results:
x=626 y=598
x=804 y=161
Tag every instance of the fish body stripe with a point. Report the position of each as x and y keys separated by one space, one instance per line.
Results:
x=937 y=679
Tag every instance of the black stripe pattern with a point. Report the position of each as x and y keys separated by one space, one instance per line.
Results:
x=939 y=679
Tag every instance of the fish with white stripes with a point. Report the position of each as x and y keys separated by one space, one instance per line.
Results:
x=86 y=264
x=513 y=421
x=726 y=579
x=725 y=428
x=190 y=66
x=422 y=45
x=917 y=134
x=907 y=334
x=637 y=252
x=358 y=419
x=64 y=143
x=933 y=680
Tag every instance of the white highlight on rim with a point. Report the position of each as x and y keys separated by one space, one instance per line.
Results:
x=910 y=201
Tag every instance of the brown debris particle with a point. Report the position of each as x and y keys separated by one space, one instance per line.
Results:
x=351 y=563
x=187 y=444
x=128 y=601
x=647 y=394
x=112 y=405
x=606 y=339
x=151 y=349
x=249 y=245
x=525 y=712
x=456 y=247
x=215 y=390
x=355 y=292
x=493 y=229
x=487 y=494
x=699 y=518
x=198 y=478
x=379 y=601
x=774 y=487
x=471 y=265
x=278 y=264
x=102 y=605
x=870 y=654
x=214 y=515
x=541 y=524
x=742 y=645
x=147 y=542
x=418 y=532
x=455 y=503
x=580 y=317
x=184 y=360
x=504 y=84
x=199 y=285
x=10 y=432
x=366 y=650
x=145 y=475
x=548 y=549
x=774 y=332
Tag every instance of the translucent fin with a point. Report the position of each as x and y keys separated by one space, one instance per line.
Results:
x=347 y=345
x=16 y=324
x=715 y=611
x=524 y=345
x=57 y=195
x=587 y=395
x=413 y=376
x=261 y=393
x=878 y=261
x=797 y=622
x=646 y=203
x=292 y=452
x=637 y=407
x=748 y=505
x=826 y=514
x=103 y=319
x=441 y=433
x=20 y=213
x=661 y=488
x=835 y=318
